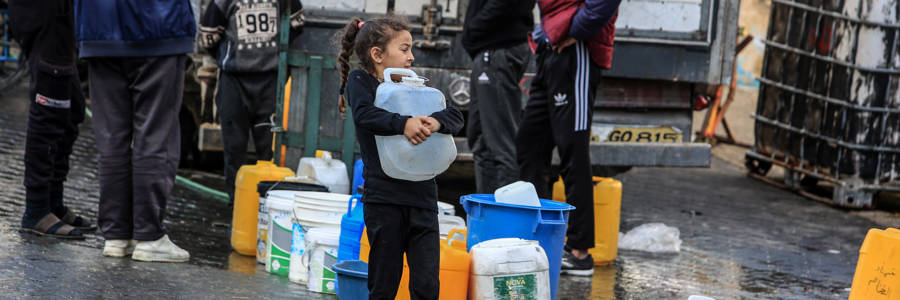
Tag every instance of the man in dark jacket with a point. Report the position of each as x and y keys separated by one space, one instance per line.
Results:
x=573 y=44
x=495 y=35
x=46 y=34
x=136 y=54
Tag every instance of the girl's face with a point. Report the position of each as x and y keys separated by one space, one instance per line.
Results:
x=398 y=53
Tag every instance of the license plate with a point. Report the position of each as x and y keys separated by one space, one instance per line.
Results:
x=635 y=134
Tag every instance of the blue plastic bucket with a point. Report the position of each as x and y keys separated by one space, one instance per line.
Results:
x=489 y=220
x=352 y=225
x=357 y=175
x=352 y=277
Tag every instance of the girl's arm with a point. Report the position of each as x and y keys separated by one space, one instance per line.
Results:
x=450 y=119
x=366 y=115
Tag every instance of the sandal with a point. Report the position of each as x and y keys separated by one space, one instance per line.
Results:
x=52 y=226
x=77 y=221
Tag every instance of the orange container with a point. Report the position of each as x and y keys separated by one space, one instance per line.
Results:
x=877 y=273
x=244 y=219
x=454 y=268
x=607 y=209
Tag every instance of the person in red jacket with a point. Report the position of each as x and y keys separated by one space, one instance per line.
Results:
x=573 y=43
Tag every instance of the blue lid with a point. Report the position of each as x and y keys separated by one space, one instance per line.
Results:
x=489 y=199
x=356 y=268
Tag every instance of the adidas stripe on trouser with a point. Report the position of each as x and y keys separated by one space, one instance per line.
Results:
x=558 y=114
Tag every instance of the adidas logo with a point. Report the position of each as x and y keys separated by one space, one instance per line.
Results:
x=560 y=99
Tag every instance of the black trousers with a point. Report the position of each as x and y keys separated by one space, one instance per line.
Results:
x=245 y=103
x=136 y=101
x=494 y=115
x=558 y=114
x=46 y=34
x=394 y=230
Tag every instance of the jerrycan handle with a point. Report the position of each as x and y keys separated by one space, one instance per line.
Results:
x=350 y=203
x=401 y=71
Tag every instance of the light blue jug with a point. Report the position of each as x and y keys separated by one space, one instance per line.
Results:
x=401 y=159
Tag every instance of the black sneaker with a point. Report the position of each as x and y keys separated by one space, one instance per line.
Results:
x=571 y=265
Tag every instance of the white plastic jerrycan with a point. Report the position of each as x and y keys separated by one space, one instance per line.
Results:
x=399 y=158
x=519 y=193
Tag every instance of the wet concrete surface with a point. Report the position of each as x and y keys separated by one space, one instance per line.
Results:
x=742 y=239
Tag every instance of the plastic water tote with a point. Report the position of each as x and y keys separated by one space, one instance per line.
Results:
x=262 y=228
x=331 y=173
x=879 y=261
x=321 y=243
x=352 y=278
x=399 y=158
x=607 y=205
x=352 y=225
x=509 y=268
x=546 y=224
x=519 y=192
x=358 y=180
x=244 y=219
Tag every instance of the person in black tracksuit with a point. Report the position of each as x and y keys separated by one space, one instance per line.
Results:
x=400 y=215
x=45 y=32
x=495 y=36
x=243 y=36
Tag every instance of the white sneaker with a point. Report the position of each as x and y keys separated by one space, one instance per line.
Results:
x=161 y=250
x=118 y=248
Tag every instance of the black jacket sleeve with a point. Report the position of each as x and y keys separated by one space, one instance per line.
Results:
x=451 y=120
x=212 y=28
x=493 y=13
x=362 y=102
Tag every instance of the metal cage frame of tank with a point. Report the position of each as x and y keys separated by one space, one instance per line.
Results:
x=308 y=73
x=851 y=189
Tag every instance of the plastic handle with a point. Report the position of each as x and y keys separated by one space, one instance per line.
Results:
x=451 y=236
x=350 y=204
x=554 y=221
x=401 y=71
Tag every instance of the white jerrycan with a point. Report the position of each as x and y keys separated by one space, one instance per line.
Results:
x=401 y=159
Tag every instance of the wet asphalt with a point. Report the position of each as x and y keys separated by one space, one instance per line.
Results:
x=742 y=239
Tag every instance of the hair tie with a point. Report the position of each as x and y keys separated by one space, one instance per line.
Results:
x=360 y=25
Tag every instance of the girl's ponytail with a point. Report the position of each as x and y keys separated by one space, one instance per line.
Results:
x=347 y=42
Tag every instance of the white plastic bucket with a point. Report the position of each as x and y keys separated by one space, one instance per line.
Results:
x=303 y=221
x=322 y=199
x=278 y=256
x=446 y=209
x=509 y=268
x=323 y=244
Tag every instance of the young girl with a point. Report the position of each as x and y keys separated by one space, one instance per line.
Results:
x=400 y=215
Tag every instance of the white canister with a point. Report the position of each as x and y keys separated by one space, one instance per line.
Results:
x=322 y=244
x=509 y=268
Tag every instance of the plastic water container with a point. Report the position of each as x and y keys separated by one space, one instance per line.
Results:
x=322 y=243
x=245 y=216
x=332 y=202
x=352 y=224
x=509 y=268
x=262 y=227
x=879 y=260
x=399 y=158
x=519 y=193
x=358 y=180
x=454 y=267
x=352 y=279
x=304 y=221
x=448 y=223
x=446 y=209
x=546 y=224
x=331 y=173
x=278 y=258
x=607 y=210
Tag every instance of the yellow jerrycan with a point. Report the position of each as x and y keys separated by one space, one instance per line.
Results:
x=244 y=219
x=878 y=267
x=454 y=267
x=607 y=209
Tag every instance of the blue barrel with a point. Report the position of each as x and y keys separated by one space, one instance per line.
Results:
x=357 y=175
x=352 y=277
x=352 y=225
x=489 y=220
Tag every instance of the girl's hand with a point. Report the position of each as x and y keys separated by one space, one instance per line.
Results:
x=415 y=131
x=432 y=123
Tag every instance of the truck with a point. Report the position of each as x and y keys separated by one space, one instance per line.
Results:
x=668 y=54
